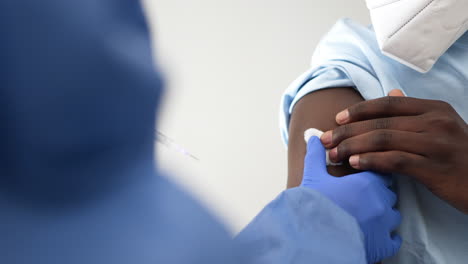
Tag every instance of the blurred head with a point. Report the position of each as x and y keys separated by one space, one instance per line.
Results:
x=78 y=102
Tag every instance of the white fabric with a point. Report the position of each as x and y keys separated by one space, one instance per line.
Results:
x=417 y=32
x=318 y=133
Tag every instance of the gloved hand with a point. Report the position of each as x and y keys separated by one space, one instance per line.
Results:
x=363 y=195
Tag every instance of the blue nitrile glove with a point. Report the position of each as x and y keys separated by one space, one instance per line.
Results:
x=364 y=195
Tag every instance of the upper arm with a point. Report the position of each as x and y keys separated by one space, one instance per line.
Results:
x=348 y=57
x=316 y=110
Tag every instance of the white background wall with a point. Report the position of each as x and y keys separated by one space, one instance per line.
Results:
x=227 y=63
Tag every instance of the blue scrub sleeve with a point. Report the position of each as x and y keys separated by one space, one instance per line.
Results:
x=302 y=226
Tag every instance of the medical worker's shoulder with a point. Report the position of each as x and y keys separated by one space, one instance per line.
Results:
x=191 y=229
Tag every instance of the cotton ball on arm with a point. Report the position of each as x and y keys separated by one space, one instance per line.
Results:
x=318 y=133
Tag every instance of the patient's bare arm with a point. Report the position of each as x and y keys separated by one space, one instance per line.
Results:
x=316 y=110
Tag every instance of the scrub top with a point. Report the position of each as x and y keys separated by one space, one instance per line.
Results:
x=349 y=56
x=79 y=94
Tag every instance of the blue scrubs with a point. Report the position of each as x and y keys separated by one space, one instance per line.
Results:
x=78 y=183
x=349 y=56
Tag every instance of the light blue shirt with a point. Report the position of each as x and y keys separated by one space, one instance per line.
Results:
x=78 y=180
x=349 y=56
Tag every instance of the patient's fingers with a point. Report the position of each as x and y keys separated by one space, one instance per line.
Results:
x=386 y=107
x=404 y=123
x=391 y=162
x=380 y=140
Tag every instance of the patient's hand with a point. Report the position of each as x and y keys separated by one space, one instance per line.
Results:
x=424 y=139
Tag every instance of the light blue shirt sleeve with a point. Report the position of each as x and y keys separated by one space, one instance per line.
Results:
x=302 y=226
x=346 y=57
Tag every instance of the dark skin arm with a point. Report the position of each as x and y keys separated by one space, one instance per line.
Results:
x=316 y=110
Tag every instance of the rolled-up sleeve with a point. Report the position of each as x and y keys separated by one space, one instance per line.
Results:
x=348 y=56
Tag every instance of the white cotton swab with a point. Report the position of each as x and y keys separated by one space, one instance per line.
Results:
x=318 y=133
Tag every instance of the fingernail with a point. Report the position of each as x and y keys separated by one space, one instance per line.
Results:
x=327 y=138
x=354 y=162
x=333 y=154
x=396 y=93
x=342 y=117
